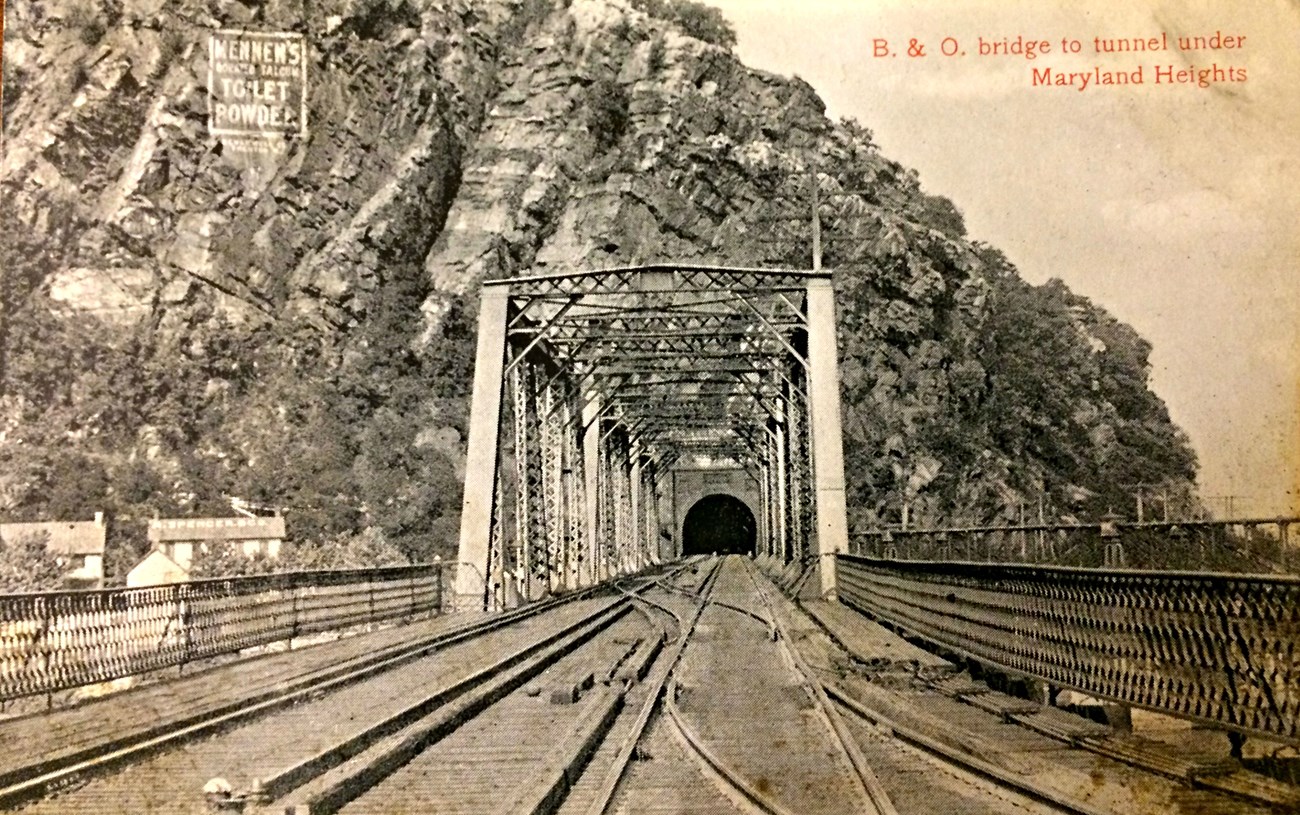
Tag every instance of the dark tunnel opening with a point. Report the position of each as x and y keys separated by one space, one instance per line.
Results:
x=719 y=523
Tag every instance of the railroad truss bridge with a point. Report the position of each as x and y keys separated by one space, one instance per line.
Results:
x=657 y=607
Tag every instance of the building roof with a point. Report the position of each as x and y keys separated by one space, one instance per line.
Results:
x=170 y=530
x=156 y=569
x=66 y=537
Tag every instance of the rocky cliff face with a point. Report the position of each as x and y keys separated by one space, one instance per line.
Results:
x=194 y=318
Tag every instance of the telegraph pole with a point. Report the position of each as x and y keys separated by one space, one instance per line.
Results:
x=816 y=224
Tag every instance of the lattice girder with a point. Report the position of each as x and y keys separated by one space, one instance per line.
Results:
x=619 y=376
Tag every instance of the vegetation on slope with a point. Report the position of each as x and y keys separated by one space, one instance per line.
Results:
x=316 y=355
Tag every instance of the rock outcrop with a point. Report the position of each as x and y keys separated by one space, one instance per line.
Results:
x=451 y=141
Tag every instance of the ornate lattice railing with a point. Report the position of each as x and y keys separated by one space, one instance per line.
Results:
x=59 y=640
x=1255 y=545
x=1221 y=648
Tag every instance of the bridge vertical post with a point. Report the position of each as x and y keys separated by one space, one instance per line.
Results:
x=645 y=522
x=472 y=583
x=624 y=525
x=1284 y=545
x=574 y=491
x=771 y=520
x=529 y=535
x=652 y=517
x=828 y=445
x=591 y=545
x=664 y=517
x=781 y=546
x=801 y=537
x=553 y=486
x=772 y=504
x=635 y=527
x=673 y=514
x=764 y=542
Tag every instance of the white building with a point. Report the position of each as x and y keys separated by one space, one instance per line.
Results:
x=177 y=541
x=155 y=570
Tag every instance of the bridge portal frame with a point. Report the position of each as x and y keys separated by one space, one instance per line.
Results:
x=611 y=378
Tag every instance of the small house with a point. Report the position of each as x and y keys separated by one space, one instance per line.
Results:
x=78 y=545
x=180 y=539
x=155 y=570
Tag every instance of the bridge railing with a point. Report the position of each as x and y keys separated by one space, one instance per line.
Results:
x=1220 y=648
x=1253 y=545
x=54 y=641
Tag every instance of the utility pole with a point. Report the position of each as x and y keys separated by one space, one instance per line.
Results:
x=815 y=196
x=1024 y=553
x=816 y=224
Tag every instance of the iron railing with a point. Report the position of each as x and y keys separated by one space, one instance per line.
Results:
x=1220 y=648
x=54 y=641
x=1238 y=545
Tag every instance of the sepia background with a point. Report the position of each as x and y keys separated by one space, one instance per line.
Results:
x=1174 y=207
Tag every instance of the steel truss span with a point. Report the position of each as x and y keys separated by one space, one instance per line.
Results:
x=1220 y=648
x=592 y=389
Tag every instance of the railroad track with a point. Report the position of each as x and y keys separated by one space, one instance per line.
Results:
x=709 y=728
x=922 y=774
x=160 y=764
x=702 y=690
x=935 y=760
x=526 y=757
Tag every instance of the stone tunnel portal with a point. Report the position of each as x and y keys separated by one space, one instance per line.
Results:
x=721 y=524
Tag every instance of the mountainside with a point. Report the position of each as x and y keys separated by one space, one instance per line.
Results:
x=183 y=322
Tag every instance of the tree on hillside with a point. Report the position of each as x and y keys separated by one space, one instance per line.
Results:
x=26 y=564
x=367 y=549
x=1067 y=396
x=219 y=560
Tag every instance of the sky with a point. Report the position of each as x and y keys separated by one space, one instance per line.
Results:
x=1174 y=206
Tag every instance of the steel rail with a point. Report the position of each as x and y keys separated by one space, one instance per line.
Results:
x=363 y=761
x=875 y=791
x=679 y=621
x=558 y=771
x=605 y=795
x=741 y=791
x=343 y=772
x=697 y=748
x=1001 y=777
x=23 y=783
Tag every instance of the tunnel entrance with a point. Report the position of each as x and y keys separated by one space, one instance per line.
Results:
x=719 y=523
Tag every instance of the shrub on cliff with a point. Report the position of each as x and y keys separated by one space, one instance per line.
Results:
x=694 y=19
x=87 y=21
x=607 y=112
x=10 y=87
